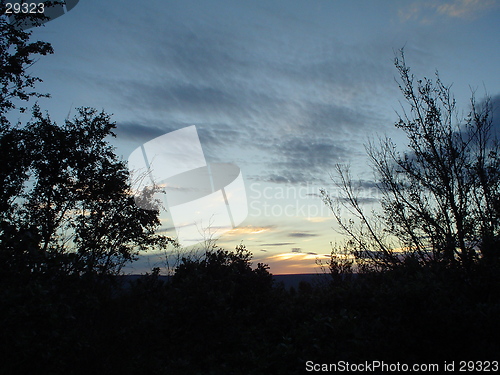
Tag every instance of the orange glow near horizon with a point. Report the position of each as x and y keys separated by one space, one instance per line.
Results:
x=294 y=263
x=249 y=229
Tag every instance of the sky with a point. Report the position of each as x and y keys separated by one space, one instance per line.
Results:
x=282 y=89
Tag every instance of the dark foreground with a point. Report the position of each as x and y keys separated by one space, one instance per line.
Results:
x=225 y=318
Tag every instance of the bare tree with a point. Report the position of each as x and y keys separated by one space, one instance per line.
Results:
x=441 y=198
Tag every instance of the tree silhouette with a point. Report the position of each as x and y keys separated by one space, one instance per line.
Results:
x=65 y=198
x=17 y=54
x=74 y=210
x=223 y=270
x=441 y=198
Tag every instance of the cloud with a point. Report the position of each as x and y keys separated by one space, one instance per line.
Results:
x=305 y=159
x=292 y=255
x=139 y=132
x=428 y=12
x=466 y=9
x=302 y=234
x=495 y=105
x=318 y=219
x=294 y=262
x=296 y=105
x=278 y=244
x=250 y=229
x=361 y=200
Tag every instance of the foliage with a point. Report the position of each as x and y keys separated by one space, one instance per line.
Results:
x=222 y=270
x=17 y=54
x=197 y=325
x=441 y=198
x=72 y=209
x=65 y=200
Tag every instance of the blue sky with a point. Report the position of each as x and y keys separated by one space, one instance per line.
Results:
x=282 y=89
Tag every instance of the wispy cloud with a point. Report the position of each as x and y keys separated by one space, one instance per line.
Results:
x=293 y=255
x=302 y=234
x=466 y=9
x=278 y=244
x=318 y=219
x=495 y=105
x=294 y=262
x=432 y=11
x=296 y=105
x=249 y=229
